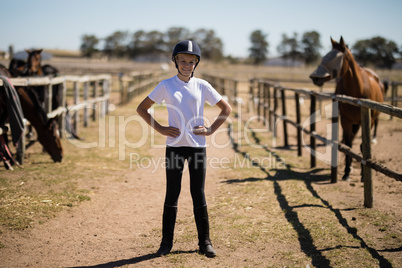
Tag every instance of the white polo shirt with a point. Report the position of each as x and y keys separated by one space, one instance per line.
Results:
x=185 y=105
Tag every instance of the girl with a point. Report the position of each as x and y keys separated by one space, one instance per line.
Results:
x=185 y=96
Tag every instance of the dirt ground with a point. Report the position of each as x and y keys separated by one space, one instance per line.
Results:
x=261 y=215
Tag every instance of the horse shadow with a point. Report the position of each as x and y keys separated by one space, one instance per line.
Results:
x=120 y=263
x=310 y=178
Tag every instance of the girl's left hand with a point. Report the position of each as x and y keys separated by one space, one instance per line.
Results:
x=201 y=130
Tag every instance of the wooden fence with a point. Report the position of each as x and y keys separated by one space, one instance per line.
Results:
x=98 y=97
x=135 y=83
x=90 y=96
x=395 y=98
x=90 y=92
x=267 y=98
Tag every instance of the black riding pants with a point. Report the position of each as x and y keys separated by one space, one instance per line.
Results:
x=196 y=160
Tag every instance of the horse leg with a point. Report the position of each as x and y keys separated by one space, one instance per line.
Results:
x=348 y=159
x=349 y=135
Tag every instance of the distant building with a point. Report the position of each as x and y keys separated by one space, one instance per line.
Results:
x=283 y=62
x=397 y=65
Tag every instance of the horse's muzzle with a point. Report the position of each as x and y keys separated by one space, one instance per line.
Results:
x=318 y=81
x=57 y=158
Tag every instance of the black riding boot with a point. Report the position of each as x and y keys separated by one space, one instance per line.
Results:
x=204 y=242
x=168 y=222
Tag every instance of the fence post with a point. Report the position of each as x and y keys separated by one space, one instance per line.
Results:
x=335 y=141
x=298 y=120
x=266 y=105
x=94 y=95
x=270 y=127
x=259 y=84
x=366 y=152
x=250 y=105
x=62 y=118
x=76 y=101
x=86 y=88
x=285 y=127
x=312 y=129
x=394 y=95
x=49 y=94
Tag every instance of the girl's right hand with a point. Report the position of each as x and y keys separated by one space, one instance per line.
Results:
x=170 y=131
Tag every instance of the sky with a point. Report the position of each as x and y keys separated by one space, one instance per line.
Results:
x=60 y=24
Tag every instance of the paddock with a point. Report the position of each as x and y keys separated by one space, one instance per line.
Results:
x=268 y=205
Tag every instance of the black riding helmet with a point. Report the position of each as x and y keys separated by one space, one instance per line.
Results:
x=186 y=47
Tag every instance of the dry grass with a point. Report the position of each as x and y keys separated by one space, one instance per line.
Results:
x=270 y=210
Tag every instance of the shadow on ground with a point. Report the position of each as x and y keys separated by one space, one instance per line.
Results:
x=309 y=178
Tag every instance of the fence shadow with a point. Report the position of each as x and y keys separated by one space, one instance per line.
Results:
x=309 y=178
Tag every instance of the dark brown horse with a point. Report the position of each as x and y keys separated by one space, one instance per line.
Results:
x=354 y=81
x=46 y=128
x=31 y=67
x=34 y=62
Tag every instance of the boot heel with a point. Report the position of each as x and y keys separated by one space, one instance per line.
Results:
x=208 y=251
x=202 y=222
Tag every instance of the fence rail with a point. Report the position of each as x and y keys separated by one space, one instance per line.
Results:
x=135 y=83
x=89 y=92
x=61 y=110
x=267 y=97
x=90 y=96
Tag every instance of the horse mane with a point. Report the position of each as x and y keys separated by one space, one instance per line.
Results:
x=38 y=107
x=349 y=61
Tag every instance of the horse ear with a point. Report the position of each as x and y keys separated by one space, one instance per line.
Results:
x=341 y=42
x=333 y=42
x=28 y=51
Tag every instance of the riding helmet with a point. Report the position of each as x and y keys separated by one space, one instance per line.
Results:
x=187 y=47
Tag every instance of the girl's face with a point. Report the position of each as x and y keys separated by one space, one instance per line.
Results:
x=186 y=64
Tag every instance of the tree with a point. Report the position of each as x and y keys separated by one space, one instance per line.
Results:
x=377 y=50
x=88 y=45
x=210 y=45
x=174 y=35
x=259 y=47
x=137 y=44
x=289 y=48
x=115 y=44
x=311 y=45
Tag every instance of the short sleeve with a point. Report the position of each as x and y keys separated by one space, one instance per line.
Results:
x=159 y=93
x=211 y=95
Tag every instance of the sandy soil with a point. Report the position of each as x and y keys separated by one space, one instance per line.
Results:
x=121 y=225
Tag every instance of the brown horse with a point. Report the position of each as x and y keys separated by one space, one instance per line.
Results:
x=34 y=65
x=31 y=67
x=354 y=81
x=46 y=128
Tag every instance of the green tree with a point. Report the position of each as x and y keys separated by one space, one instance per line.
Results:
x=259 y=47
x=289 y=48
x=88 y=45
x=115 y=44
x=377 y=50
x=137 y=44
x=211 y=46
x=311 y=46
x=174 y=35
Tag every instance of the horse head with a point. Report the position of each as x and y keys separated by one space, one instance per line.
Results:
x=34 y=62
x=51 y=140
x=46 y=128
x=331 y=65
